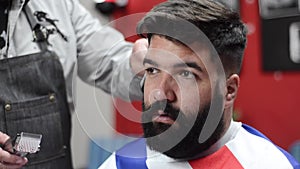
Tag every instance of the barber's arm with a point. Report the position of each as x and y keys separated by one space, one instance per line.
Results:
x=7 y=159
x=103 y=56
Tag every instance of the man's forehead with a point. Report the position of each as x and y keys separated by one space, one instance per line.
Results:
x=165 y=58
x=163 y=46
x=163 y=55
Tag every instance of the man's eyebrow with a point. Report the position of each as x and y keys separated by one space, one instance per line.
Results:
x=189 y=64
x=151 y=62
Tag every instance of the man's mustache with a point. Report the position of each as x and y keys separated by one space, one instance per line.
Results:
x=163 y=105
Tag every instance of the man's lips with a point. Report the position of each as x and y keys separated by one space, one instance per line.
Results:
x=162 y=117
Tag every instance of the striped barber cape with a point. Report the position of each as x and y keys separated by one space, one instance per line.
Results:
x=248 y=149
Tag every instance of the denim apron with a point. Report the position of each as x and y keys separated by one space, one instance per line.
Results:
x=33 y=99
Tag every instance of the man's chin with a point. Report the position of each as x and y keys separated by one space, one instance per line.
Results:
x=184 y=149
x=177 y=142
x=159 y=143
x=156 y=136
x=158 y=129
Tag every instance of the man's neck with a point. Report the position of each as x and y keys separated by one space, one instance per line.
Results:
x=229 y=135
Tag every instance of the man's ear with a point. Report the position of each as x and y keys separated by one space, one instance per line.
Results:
x=232 y=84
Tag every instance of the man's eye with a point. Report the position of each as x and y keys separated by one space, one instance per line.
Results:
x=187 y=74
x=151 y=70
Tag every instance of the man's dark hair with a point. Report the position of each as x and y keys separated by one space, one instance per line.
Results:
x=221 y=26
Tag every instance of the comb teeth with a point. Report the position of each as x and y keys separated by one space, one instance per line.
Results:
x=28 y=143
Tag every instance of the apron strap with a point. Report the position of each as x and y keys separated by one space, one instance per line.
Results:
x=40 y=35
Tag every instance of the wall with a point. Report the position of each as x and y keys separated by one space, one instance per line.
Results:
x=267 y=100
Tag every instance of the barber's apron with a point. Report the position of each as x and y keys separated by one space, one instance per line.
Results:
x=33 y=99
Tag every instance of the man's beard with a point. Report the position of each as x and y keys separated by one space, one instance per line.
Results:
x=160 y=136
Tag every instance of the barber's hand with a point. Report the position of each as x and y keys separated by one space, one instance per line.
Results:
x=8 y=160
x=137 y=57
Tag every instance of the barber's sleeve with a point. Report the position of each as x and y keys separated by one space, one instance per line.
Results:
x=103 y=56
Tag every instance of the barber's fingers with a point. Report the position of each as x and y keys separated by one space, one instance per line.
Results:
x=140 y=45
x=139 y=51
x=8 y=160
x=3 y=138
x=10 y=166
x=11 y=161
x=5 y=142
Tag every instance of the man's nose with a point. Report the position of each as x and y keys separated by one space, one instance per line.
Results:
x=165 y=90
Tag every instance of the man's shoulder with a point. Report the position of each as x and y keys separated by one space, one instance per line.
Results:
x=135 y=149
x=254 y=150
x=131 y=154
